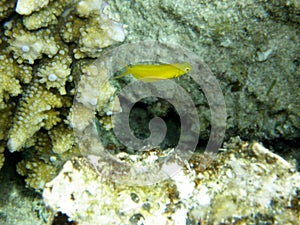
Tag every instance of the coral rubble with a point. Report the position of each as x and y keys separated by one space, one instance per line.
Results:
x=240 y=184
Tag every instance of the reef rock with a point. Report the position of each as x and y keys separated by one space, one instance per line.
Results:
x=246 y=183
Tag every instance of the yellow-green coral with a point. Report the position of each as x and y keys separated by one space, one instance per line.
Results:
x=97 y=91
x=35 y=98
x=35 y=110
x=91 y=41
x=2 y=159
x=93 y=31
x=40 y=164
x=9 y=85
x=6 y=115
x=6 y=8
x=106 y=122
x=46 y=154
x=62 y=138
x=37 y=173
x=46 y=16
x=29 y=46
x=55 y=72
x=11 y=75
x=25 y=7
x=70 y=31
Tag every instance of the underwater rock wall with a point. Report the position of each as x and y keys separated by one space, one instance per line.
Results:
x=251 y=46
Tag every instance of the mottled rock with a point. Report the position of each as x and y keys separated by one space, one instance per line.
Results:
x=242 y=183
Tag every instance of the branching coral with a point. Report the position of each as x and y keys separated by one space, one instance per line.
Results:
x=29 y=46
x=62 y=138
x=37 y=173
x=6 y=8
x=91 y=40
x=35 y=98
x=25 y=7
x=46 y=16
x=6 y=115
x=95 y=89
x=12 y=74
x=55 y=72
x=35 y=110
x=93 y=31
x=39 y=78
x=45 y=154
x=37 y=169
x=2 y=158
x=9 y=85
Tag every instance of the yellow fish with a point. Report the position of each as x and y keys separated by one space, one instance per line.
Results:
x=154 y=72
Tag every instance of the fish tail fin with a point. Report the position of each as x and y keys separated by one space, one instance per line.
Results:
x=121 y=75
x=124 y=73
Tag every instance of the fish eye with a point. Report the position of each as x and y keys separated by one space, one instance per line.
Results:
x=187 y=69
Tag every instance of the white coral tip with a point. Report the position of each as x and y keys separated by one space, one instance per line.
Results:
x=52 y=77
